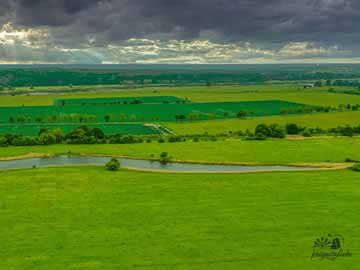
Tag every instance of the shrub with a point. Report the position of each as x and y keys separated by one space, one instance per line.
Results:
x=113 y=165
x=260 y=137
x=277 y=131
x=306 y=133
x=350 y=160
x=292 y=129
x=241 y=114
x=273 y=131
x=356 y=167
x=173 y=139
x=164 y=157
x=3 y=141
x=262 y=130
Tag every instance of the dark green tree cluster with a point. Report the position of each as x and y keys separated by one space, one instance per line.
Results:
x=263 y=131
x=113 y=165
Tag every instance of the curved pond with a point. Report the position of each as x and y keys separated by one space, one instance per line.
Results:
x=141 y=165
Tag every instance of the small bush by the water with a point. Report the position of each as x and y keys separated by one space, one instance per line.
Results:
x=164 y=157
x=356 y=167
x=348 y=160
x=306 y=133
x=113 y=165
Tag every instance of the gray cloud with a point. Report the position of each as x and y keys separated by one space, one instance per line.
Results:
x=247 y=20
x=327 y=27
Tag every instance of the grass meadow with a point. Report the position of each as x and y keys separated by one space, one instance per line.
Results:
x=71 y=218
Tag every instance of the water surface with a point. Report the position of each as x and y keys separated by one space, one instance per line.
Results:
x=140 y=165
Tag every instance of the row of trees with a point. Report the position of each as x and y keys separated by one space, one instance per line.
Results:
x=71 y=118
x=88 y=135
x=193 y=116
x=277 y=131
x=350 y=83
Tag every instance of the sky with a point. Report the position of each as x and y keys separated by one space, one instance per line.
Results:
x=179 y=31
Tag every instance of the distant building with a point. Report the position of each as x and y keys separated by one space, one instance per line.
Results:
x=309 y=85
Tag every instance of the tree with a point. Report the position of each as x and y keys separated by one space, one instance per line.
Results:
x=292 y=129
x=38 y=119
x=3 y=141
x=97 y=133
x=318 y=84
x=107 y=118
x=284 y=111
x=180 y=117
x=122 y=116
x=356 y=167
x=113 y=165
x=47 y=139
x=192 y=116
x=262 y=129
x=212 y=115
x=277 y=131
x=59 y=135
x=242 y=114
x=52 y=118
x=164 y=157
x=20 y=119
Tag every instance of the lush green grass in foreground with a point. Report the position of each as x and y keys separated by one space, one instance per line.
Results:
x=77 y=218
x=232 y=150
x=322 y=120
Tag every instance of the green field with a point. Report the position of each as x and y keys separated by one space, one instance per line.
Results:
x=146 y=112
x=117 y=101
x=222 y=151
x=286 y=92
x=289 y=92
x=323 y=120
x=90 y=218
x=74 y=218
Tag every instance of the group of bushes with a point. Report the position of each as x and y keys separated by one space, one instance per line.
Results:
x=263 y=131
x=81 y=135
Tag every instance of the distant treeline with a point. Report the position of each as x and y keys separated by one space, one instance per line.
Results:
x=53 y=76
x=33 y=78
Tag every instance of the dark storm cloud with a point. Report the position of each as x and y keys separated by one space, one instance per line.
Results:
x=263 y=21
x=50 y=12
x=270 y=26
x=5 y=11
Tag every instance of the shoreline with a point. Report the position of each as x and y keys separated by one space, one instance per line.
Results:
x=312 y=165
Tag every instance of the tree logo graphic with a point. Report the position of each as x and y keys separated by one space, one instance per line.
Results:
x=330 y=247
